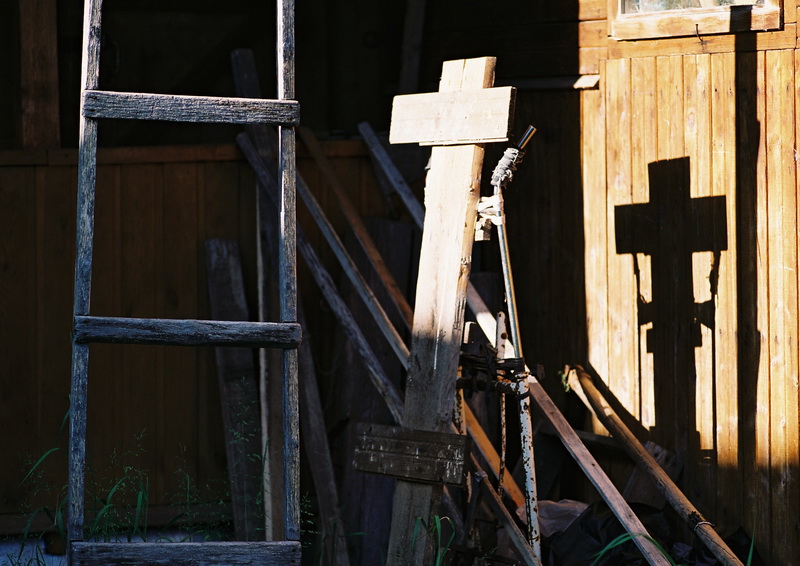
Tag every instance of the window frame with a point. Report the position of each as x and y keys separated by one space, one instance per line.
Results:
x=694 y=21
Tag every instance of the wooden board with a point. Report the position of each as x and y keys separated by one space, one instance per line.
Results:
x=175 y=108
x=451 y=197
x=186 y=554
x=414 y=455
x=452 y=118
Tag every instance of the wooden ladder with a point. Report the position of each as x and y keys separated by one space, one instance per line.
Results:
x=283 y=112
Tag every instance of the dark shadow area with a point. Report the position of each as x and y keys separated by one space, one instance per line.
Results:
x=669 y=229
x=748 y=141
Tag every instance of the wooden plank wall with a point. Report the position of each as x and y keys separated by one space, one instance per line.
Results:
x=154 y=408
x=726 y=399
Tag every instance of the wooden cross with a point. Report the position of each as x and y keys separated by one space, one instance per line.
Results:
x=670 y=228
x=464 y=114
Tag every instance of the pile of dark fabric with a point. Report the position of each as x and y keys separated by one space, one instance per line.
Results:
x=593 y=532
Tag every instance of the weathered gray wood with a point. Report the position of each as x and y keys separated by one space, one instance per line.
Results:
x=87 y=171
x=287 y=280
x=357 y=225
x=185 y=554
x=451 y=195
x=414 y=455
x=266 y=176
x=182 y=108
x=182 y=332
x=246 y=82
x=238 y=390
x=351 y=270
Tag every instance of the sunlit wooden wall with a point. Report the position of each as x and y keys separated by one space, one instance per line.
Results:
x=691 y=227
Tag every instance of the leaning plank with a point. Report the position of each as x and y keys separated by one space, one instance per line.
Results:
x=182 y=108
x=630 y=522
x=317 y=449
x=87 y=172
x=185 y=554
x=238 y=389
x=176 y=332
x=453 y=118
x=419 y=455
x=356 y=224
x=266 y=176
x=490 y=456
x=337 y=246
x=393 y=175
x=702 y=528
x=504 y=517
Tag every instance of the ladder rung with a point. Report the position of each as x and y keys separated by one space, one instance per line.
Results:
x=185 y=553
x=180 y=108
x=176 y=332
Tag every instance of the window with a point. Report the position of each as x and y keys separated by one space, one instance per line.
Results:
x=639 y=19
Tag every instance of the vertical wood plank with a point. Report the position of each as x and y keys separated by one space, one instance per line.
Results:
x=764 y=387
x=644 y=106
x=450 y=198
x=593 y=154
x=670 y=107
x=697 y=139
x=17 y=303
x=621 y=279
x=217 y=216
x=140 y=234
x=106 y=412
x=178 y=298
x=753 y=390
x=783 y=332
x=726 y=382
x=287 y=279
x=87 y=168
x=39 y=116
x=55 y=231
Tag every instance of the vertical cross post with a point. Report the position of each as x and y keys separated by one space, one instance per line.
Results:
x=670 y=228
x=458 y=120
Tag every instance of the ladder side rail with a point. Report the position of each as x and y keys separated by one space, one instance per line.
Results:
x=87 y=171
x=287 y=171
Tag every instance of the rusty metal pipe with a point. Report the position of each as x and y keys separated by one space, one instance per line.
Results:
x=703 y=529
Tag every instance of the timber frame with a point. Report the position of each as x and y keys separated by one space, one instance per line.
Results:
x=694 y=21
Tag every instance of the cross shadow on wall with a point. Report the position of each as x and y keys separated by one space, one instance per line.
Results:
x=670 y=229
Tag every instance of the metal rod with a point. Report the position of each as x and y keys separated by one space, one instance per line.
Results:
x=526 y=428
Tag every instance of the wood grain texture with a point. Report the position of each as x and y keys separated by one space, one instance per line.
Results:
x=783 y=292
x=414 y=455
x=87 y=171
x=186 y=332
x=452 y=118
x=450 y=198
x=236 y=376
x=333 y=183
x=183 y=108
x=186 y=554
